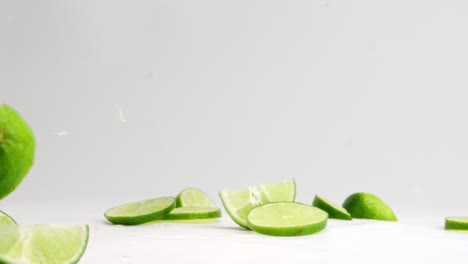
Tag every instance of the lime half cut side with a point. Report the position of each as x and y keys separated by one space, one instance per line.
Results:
x=192 y=213
x=191 y=197
x=141 y=212
x=238 y=203
x=368 y=206
x=43 y=243
x=287 y=219
x=6 y=220
x=456 y=223
x=333 y=210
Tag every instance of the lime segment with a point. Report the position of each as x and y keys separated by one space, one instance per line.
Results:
x=238 y=203
x=43 y=243
x=189 y=213
x=368 y=206
x=141 y=212
x=456 y=223
x=333 y=210
x=287 y=219
x=17 y=146
x=191 y=197
x=6 y=220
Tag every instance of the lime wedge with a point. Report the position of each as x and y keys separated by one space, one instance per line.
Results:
x=191 y=197
x=287 y=219
x=238 y=203
x=368 y=206
x=17 y=147
x=6 y=220
x=141 y=212
x=189 y=213
x=43 y=243
x=333 y=210
x=456 y=223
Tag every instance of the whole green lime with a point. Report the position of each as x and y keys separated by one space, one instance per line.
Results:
x=368 y=206
x=17 y=147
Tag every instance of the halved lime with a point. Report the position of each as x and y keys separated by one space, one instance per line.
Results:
x=17 y=146
x=191 y=197
x=287 y=219
x=333 y=210
x=238 y=203
x=6 y=220
x=43 y=243
x=368 y=206
x=141 y=212
x=456 y=223
x=189 y=213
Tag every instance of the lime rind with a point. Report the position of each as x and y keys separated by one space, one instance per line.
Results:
x=141 y=212
x=334 y=211
x=193 y=213
x=192 y=197
x=6 y=220
x=459 y=223
x=287 y=219
x=239 y=202
x=368 y=206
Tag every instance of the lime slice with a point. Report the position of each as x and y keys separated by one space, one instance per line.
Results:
x=6 y=220
x=17 y=147
x=191 y=197
x=456 y=223
x=43 y=243
x=189 y=213
x=368 y=206
x=333 y=210
x=141 y=212
x=287 y=219
x=238 y=203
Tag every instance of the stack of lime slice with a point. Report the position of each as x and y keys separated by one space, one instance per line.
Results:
x=41 y=243
x=190 y=204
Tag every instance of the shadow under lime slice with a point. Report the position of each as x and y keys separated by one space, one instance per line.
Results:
x=456 y=223
x=287 y=219
x=141 y=212
x=191 y=213
x=6 y=220
x=43 y=243
x=333 y=210
x=17 y=147
x=239 y=202
x=368 y=206
x=191 y=197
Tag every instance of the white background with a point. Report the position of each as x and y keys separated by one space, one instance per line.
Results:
x=138 y=99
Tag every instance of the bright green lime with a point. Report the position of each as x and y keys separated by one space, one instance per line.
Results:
x=238 y=203
x=17 y=147
x=190 y=213
x=287 y=219
x=456 y=223
x=333 y=210
x=6 y=220
x=191 y=197
x=141 y=212
x=368 y=206
x=54 y=244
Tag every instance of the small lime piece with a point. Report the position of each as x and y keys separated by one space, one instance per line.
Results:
x=333 y=210
x=6 y=220
x=238 y=203
x=190 y=213
x=191 y=197
x=456 y=223
x=287 y=219
x=17 y=146
x=368 y=206
x=141 y=212
x=43 y=244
